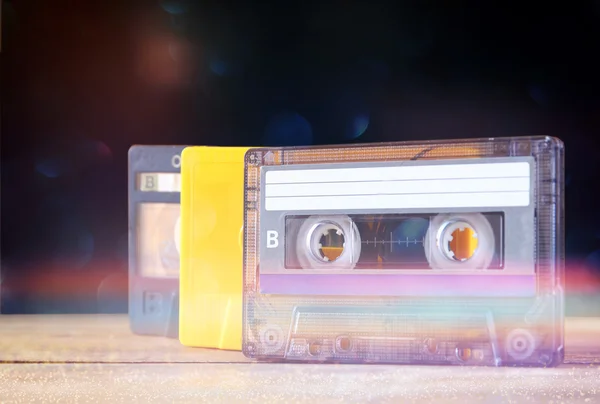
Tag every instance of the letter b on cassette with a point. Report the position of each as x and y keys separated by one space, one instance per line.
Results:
x=272 y=239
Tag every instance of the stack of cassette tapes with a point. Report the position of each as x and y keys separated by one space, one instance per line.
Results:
x=438 y=252
x=185 y=243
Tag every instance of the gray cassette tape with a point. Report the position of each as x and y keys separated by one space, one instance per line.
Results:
x=154 y=189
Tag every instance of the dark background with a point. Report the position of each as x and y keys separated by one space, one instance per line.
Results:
x=84 y=80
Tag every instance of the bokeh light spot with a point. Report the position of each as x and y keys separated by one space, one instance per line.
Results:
x=93 y=151
x=85 y=243
x=413 y=228
x=51 y=167
x=175 y=51
x=538 y=95
x=360 y=125
x=218 y=67
x=175 y=7
x=178 y=24
x=288 y=129
x=409 y=235
x=103 y=150
x=592 y=262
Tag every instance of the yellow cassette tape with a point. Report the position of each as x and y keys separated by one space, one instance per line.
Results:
x=212 y=198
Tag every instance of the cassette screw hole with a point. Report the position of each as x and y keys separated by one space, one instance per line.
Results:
x=331 y=243
x=462 y=243
x=431 y=346
x=545 y=359
x=463 y=353
x=477 y=354
x=344 y=344
x=314 y=348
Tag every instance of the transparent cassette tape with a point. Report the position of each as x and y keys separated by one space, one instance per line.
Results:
x=433 y=253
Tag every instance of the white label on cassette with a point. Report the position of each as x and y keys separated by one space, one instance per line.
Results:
x=502 y=184
x=159 y=182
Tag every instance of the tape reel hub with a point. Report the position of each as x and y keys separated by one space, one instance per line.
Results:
x=459 y=241
x=327 y=241
x=464 y=241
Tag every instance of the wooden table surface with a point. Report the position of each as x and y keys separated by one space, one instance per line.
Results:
x=95 y=358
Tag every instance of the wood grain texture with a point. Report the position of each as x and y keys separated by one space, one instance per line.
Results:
x=271 y=383
x=95 y=358
x=93 y=338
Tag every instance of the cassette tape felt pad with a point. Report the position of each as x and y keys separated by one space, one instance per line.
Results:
x=211 y=247
x=436 y=252
x=154 y=186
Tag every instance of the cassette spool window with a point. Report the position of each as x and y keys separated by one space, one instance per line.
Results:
x=394 y=241
x=158 y=240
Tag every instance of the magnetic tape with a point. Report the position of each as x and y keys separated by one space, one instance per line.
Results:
x=154 y=222
x=436 y=252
